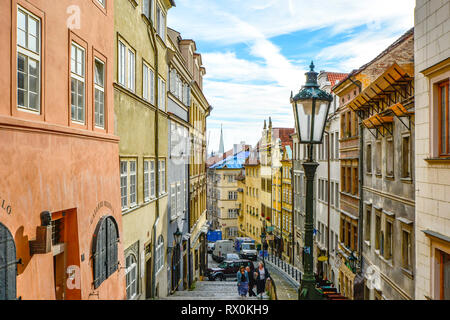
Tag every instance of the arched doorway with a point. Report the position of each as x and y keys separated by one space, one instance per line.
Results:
x=8 y=265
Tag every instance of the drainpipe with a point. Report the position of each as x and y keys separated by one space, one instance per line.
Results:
x=360 y=187
x=151 y=34
x=329 y=198
x=361 y=194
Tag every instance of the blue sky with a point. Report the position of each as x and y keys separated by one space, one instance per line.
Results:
x=256 y=52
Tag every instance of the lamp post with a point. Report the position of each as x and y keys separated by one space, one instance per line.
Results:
x=311 y=106
x=263 y=240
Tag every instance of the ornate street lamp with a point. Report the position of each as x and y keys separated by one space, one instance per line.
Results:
x=177 y=235
x=311 y=106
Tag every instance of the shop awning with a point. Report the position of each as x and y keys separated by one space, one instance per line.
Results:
x=383 y=86
x=400 y=111
x=377 y=121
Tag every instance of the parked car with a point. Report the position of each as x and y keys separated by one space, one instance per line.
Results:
x=231 y=257
x=228 y=269
x=211 y=247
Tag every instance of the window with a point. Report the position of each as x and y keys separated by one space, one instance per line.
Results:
x=378 y=158
x=159 y=260
x=162 y=94
x=104 y=250
x=124 y=184
x=122 y=63
x=8 y=265
x=179 y=199
x=131 y=276
x=147 y=9
x=126 y=68
x=173 y=201
x=132 y=183
x=369 y=158
x=146 y=181
x=102 y=2
x=148 y=84
x=99 y=88
x=368 y=221
x=336 y=194
x=443 y=274
x=388 y=240
x=161 y=23
x=162 y=176
x=406 y=157
x=28 y=61
x=444 y=115
x=77 y=68
x=232 y=195
x=355 y=189
x=377 y=230
x=390 y=157
x=406 y=249
x=131 y=68
x=152 y=178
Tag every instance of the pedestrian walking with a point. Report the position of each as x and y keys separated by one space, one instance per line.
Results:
x=251 y=282
x=262 y=274
x=242 y=281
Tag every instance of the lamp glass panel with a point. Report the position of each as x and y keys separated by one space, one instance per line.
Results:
x=304 y=113
x=320 y=119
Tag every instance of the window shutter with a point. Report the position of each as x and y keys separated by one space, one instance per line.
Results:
x=99 y=254
x=8 y=265
x=112 y=257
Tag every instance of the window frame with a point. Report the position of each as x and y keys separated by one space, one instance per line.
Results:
x=123 y=71
x=101 y=89
x=131 y=268
x=440 y=87
x=80 y=78
x=28 y=53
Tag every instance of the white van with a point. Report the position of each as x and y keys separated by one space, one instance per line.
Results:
x=221 y=248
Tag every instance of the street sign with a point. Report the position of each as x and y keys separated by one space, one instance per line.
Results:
x=269 y=229
x=322 y=258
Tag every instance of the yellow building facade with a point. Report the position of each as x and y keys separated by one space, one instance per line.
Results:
x=282 y=195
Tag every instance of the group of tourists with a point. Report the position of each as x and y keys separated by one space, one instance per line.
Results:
x=246 y=281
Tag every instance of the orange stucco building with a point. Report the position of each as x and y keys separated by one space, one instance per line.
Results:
x=60 y=216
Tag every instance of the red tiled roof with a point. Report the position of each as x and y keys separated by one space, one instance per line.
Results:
x=334 y=76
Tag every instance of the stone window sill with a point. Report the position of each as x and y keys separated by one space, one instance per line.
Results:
x=406 y=180
x=438 y=160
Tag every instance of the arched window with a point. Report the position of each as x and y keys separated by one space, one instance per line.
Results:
x=104 y=249
x=8 y=265
x=159 y=262
x=131 y=276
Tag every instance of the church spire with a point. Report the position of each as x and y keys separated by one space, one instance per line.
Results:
x=221 y=147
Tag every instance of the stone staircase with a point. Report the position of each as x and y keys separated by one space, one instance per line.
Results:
x=212 y=290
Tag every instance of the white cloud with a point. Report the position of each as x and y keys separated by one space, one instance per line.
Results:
x=245 y=91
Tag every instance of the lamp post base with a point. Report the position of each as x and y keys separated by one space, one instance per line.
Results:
x=308 y=291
